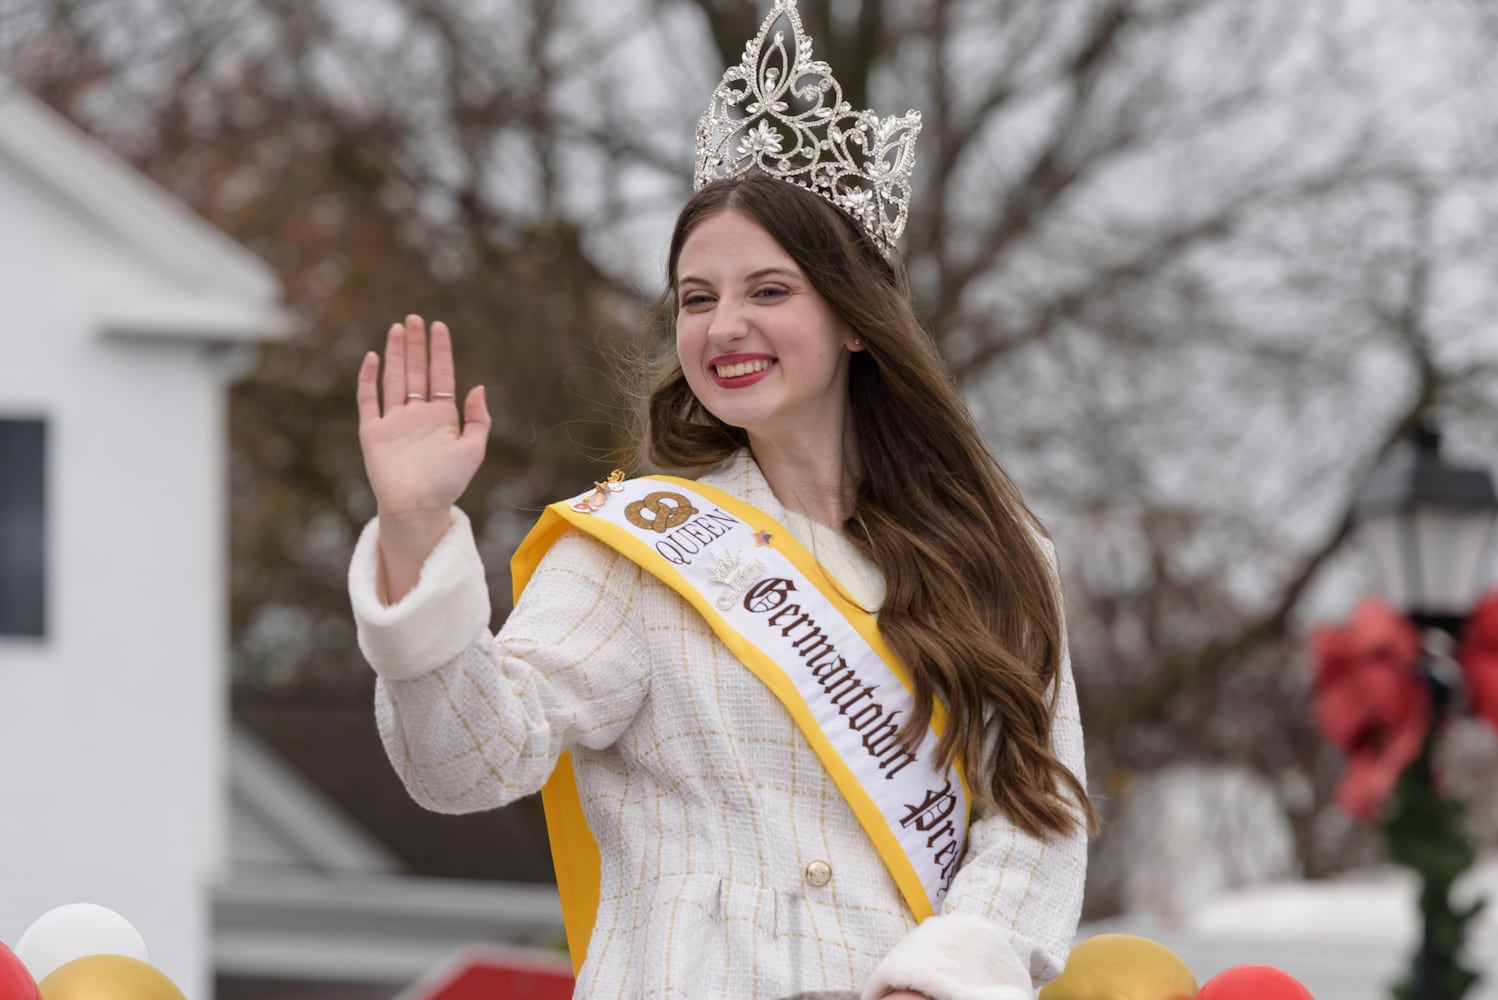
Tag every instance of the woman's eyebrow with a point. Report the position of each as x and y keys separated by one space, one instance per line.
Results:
x=691 y=279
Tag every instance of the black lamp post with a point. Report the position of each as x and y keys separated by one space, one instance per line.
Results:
x=1428 y=527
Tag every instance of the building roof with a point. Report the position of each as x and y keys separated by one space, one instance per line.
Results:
x=392 y=930
x=336 y=877
x=223 y=291
x=277 y=819
x=329 y=738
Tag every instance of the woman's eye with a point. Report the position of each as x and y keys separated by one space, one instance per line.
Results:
x=694 y=299
x=770 y=293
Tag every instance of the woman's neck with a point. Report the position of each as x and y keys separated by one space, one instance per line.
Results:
x=816 y=479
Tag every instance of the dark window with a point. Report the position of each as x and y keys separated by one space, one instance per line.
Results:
x=23 y=527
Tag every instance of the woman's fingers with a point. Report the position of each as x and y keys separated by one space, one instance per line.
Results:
x=395 y=367
x=416 y=358
x=476 y=414
x=368 y=391
x=407 y=378
x=443 y=381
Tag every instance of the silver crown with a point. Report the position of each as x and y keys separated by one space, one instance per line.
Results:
x=725 y=565
x=782 y=112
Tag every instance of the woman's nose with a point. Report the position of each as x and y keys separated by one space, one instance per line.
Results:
x=729 y=321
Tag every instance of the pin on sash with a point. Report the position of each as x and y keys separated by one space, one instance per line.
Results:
x=600 y=495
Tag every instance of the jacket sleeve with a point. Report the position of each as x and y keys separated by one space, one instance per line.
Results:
x=472 y=720
x=1010 y=915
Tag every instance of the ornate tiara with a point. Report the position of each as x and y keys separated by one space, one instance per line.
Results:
x=780 y=111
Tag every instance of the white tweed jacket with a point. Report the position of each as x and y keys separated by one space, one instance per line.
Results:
x=707 y=803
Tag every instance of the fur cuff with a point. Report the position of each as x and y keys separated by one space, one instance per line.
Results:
x=442 y=615
x=953 y=956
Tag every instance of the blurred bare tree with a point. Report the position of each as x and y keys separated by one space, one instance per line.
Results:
x=1197 y=263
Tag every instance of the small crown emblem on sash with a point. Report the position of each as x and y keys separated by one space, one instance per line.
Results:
x=729 y=570
x=725 y=565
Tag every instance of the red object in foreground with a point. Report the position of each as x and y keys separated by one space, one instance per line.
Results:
x=15 y=981
x=1253 y=982
x=1371 y=701
x=480 y=974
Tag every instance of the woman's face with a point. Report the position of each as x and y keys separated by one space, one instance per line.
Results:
x=761 y=348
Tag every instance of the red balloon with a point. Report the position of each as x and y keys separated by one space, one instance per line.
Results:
x=15 y=980
x=1253 y=982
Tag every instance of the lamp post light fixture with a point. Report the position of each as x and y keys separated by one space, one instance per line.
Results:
x=1428 y=527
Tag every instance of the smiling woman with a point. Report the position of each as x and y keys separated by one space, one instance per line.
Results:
x=803 y=713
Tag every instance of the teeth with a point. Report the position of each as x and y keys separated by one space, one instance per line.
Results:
x=742 y=368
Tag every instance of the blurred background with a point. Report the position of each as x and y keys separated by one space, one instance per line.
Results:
x=1199 y=266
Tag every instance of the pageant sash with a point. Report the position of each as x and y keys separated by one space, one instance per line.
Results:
x=792 y=625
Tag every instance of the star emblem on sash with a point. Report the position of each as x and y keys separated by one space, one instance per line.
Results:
x=762 y=539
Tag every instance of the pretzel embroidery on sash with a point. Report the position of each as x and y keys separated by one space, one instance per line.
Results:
x=667 y=511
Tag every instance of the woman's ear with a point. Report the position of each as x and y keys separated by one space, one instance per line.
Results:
x=856 y=344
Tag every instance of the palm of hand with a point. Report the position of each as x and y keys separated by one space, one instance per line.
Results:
x=417 y=457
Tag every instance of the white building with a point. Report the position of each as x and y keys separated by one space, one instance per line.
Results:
x=125 y=317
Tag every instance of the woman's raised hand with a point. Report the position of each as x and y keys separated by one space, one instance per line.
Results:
x=419 y=457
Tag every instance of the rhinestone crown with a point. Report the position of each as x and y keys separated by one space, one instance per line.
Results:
x=780 y=111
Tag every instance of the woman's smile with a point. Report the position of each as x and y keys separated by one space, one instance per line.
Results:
x=735 y=371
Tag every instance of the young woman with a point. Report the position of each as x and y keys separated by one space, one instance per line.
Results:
x=816 y=701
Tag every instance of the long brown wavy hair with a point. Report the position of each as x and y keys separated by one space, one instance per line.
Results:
x=972 y=605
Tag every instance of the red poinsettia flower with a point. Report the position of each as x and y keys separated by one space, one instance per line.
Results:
x=1370 y=701
x=1478 y=656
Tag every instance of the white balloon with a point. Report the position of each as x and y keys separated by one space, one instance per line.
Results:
x=77 y=930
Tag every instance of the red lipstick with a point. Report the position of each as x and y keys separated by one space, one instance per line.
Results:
x=739 y=381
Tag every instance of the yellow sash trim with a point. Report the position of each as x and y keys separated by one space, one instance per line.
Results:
x=574 y=852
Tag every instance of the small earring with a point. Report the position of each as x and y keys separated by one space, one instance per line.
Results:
x=857 y=342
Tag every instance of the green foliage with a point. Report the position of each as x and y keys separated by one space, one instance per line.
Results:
x=1423 y=833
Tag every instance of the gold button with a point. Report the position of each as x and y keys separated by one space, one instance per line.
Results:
x=819 y=873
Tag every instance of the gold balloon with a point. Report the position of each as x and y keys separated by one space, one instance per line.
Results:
x=108 y=977
x=1119 y=967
